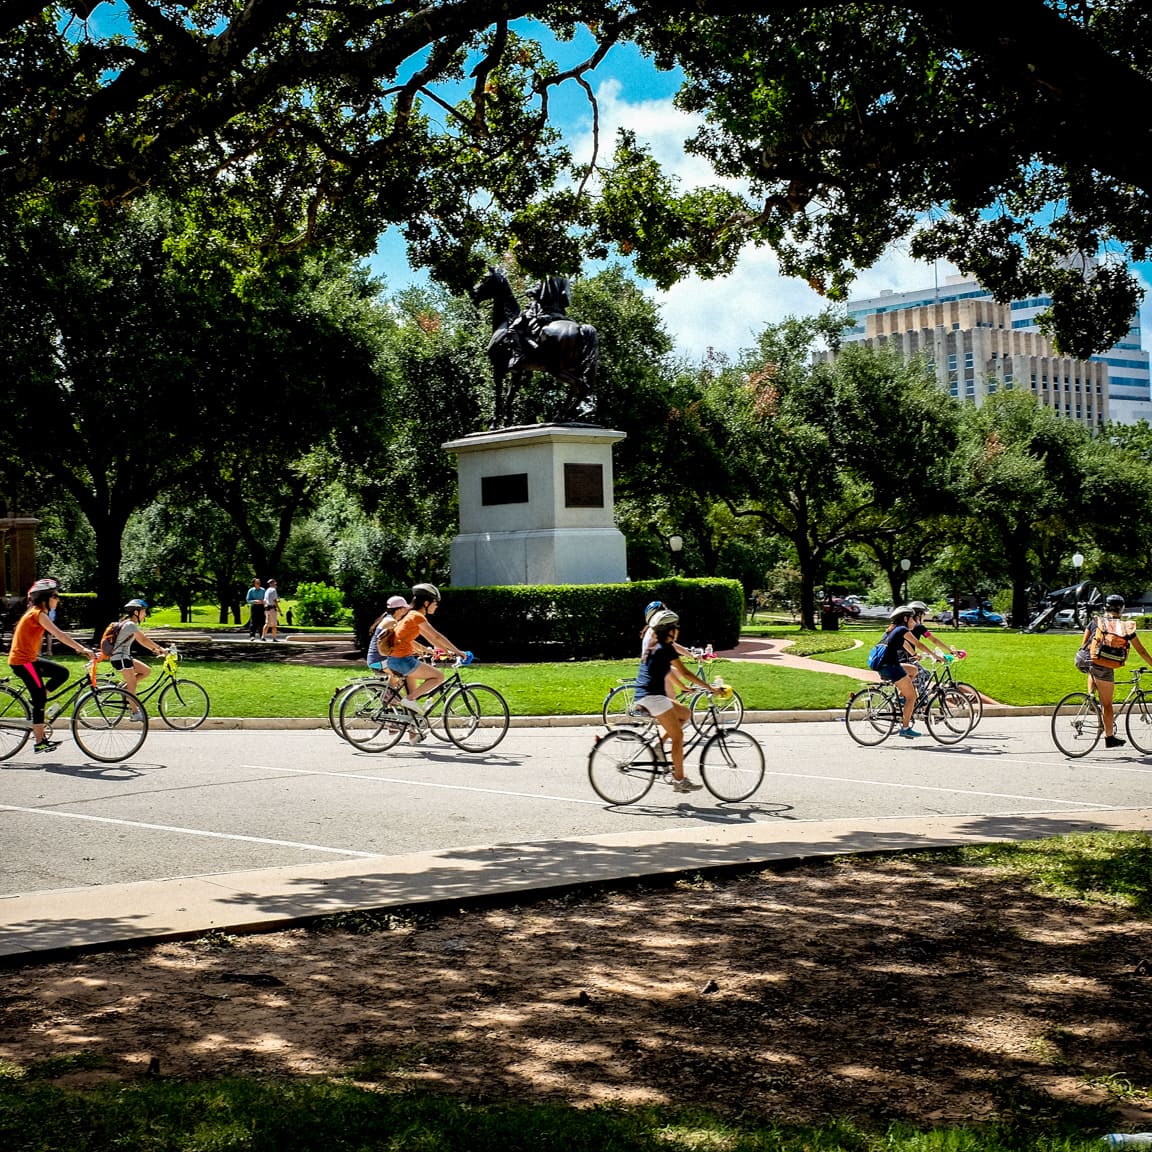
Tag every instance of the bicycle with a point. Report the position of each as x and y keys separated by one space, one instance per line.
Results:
x=620 y=704
x=101 y=719
x=435 y=714
x=474 y=716
x=874 y=713
x=627 y=760
x=943 y=678
x=1078 y=719
x=183 y=704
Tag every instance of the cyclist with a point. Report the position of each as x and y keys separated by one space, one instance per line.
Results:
x=897 y=666
x=1107 y=639
x=920 y=633
x=394 y=611
x=648 y=642
x=40 y=677
x=126 y=633
x=662 y=661
x=420 y=678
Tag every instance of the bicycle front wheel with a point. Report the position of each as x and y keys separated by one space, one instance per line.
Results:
x=15 y=723
x=476 y=718
x=619 y=705
x=949 y=715
x=621 y=767
x=102 y=724
x=729 y=712
x=732 y=764
x=367 y=721
x=183 y=704
x=1077 y=724
x=974 y=697
x=1138 y=722
x=870 y=717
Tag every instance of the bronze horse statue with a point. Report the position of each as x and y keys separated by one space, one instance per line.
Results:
x=539 y=338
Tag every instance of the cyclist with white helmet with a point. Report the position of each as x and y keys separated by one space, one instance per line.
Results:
x=920 y=630
x=123 y=634
x=39 y=676
x=661 y=661
x=648 y=642
x=898 y=665
x=1105 y=645
x=419 y=678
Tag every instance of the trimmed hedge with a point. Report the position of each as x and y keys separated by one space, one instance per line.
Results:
x=577 y=621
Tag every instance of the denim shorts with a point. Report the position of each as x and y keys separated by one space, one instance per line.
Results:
x=402 y=665
x=1099 y=672
x=892 y=672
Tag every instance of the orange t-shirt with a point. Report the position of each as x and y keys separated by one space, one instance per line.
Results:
x=27 y=637
x=405 y=633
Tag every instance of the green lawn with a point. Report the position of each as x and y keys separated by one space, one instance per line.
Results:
x=1008 y=666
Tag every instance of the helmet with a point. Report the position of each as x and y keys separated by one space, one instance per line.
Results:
x=397 y=602
x=425 y=592
x=664 y=619
x=133 y=605
x=653 y=608
x=45 y=585
x=917 y=605
x=903 y=610
x=1114 y=601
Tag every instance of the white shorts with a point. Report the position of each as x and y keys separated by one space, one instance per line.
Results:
x=655 y=705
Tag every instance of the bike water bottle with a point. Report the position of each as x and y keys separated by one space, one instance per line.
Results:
x=1117 y=1139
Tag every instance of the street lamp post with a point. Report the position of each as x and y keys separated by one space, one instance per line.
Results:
x=676 y=544
x=905 y=565
x=1077 y=564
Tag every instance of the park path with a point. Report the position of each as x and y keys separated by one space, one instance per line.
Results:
x=765 y=651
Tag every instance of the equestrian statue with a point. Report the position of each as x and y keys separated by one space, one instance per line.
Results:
x=538 y=338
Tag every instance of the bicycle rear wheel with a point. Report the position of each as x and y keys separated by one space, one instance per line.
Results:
x=183 y=704
x=338 y=697
x=14 y=711
x=102 y=724
x=1077 y=724
x=621 y=767
x=367 y=721
x=1138 y=722
x=870 y=717
x=949 y=715
x=619 y=704
x=729 y=712
x=476 y=717
x=732 y=764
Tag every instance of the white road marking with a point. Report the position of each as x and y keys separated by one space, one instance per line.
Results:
x=425 y=784
x=186 y=831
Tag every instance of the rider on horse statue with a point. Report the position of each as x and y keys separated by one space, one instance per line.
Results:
x=521 y=337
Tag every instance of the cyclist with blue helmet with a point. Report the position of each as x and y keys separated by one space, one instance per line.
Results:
x=122 y=635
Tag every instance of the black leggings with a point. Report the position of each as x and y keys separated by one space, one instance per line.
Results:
x=40 y=677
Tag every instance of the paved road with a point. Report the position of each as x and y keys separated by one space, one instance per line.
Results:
x=220 y=802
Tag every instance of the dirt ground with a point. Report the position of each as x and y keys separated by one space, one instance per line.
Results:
x=879 y=989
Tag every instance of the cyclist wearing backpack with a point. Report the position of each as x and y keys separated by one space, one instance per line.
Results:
x=420 y=679
x=1107 y=640
x=116 y=646
x=893 y=659
x=383 y=632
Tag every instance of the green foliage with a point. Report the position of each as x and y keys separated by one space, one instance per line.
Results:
x=319 y=604
x=585 y=620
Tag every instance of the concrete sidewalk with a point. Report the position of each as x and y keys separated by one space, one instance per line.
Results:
x=37 y=925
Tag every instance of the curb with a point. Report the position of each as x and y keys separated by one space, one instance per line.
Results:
x=784 y=716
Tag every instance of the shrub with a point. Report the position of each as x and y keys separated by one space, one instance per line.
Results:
x=318 y=605
x=585 y=621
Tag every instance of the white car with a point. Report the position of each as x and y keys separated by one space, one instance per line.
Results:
x=874 y=611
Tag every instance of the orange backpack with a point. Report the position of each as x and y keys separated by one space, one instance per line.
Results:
x=1107 y=648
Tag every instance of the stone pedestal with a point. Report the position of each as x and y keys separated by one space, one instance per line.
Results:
x=536 y=507
x=17 y=554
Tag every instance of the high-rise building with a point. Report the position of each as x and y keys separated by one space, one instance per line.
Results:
x=975 y=364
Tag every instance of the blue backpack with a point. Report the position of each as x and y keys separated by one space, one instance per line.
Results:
x=876 y=656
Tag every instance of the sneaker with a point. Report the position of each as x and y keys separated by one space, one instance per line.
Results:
x=420 y=706
x=415 y=737
x=136 y=717
x=46 y=746
x=909 y=733
x=1114 y=742
x=686 y=785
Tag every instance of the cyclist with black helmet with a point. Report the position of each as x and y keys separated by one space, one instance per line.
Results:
x=899 y=666
x=662 y=661
x=419 y=678
x=1106 y=642
x=126 y=632
x=648 y=642
x=40 y=677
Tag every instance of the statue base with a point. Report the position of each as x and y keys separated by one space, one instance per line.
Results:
x=536 y=507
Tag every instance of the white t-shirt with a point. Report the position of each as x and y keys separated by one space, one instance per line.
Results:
x=271 y=599
x=122 y=649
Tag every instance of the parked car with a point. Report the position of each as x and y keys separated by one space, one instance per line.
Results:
x=845 y=606
x=875 y=611
x=982 y=616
